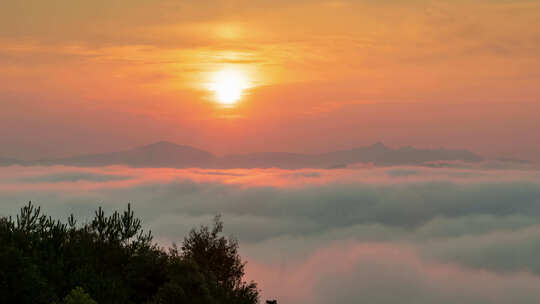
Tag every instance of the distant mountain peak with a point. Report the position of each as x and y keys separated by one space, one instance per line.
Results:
x=161 y=144
x=169 y=154
x=379 y=145
x=167 y=146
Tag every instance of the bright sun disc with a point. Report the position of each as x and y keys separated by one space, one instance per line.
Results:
x=228 y=86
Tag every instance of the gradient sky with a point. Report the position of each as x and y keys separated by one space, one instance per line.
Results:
x=92 y=76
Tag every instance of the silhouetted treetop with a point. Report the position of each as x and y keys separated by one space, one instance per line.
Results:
x=111 y=259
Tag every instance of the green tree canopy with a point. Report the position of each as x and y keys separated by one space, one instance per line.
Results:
x=111 y=259
x=78 y=296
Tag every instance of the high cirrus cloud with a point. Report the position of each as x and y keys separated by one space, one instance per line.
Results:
x=403 y=234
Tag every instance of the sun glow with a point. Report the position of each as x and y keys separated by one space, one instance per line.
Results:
x=228 y=86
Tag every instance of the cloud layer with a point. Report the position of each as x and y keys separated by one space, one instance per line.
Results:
x=384 y=235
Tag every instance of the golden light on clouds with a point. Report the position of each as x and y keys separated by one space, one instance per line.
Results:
x=228 y=86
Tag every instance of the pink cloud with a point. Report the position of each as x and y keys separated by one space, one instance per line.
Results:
x=349 y=271
x=16 y=177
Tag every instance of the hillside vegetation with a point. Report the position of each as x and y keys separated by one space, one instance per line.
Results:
x=111 y=259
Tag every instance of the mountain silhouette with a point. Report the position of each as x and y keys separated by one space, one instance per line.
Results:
x=4 y=161
x=171 y=155
x=160 y=154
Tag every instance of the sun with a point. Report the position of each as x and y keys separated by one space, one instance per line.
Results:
x=228 y=86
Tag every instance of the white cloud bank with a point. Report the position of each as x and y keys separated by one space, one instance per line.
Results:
x=360 y=235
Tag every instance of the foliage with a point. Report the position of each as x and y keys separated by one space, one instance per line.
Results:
x=219 y=260
x=113 y=259
x=78 y=296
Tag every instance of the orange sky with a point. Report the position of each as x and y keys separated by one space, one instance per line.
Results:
x=89 y=76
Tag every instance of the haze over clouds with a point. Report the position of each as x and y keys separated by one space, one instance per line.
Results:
x=405 y=234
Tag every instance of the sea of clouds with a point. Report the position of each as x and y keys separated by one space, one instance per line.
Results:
x=355 y=235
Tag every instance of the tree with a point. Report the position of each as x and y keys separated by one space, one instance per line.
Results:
x=220 y=262
x=78 y=296
x=111 y=259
